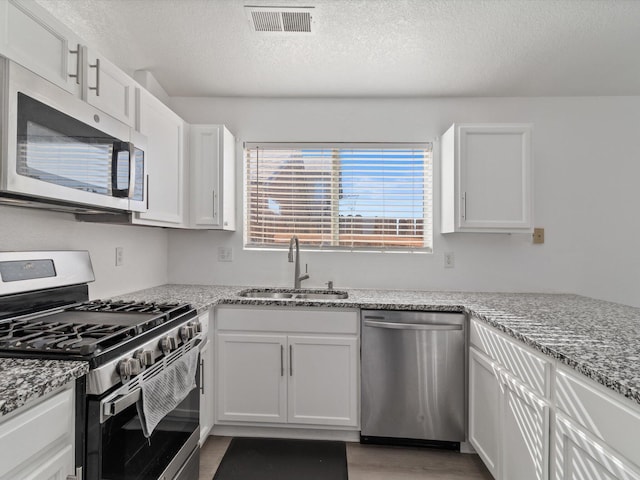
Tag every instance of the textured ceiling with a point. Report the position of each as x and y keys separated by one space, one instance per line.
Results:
x=372 y=48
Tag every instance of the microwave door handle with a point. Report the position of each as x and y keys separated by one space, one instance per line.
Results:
x=117 y=148
x=132 y=170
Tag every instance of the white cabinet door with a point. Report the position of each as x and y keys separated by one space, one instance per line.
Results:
x=109 y=88
x=31 y=37
x=323 y=380
x=525 y=433
x=486 y=178
x=38 y=442
x=165 y=162
x=252 y=385
x=54 y=466
x=579 y=456
x=212 y=166
x=206 y=391
x=484 y=409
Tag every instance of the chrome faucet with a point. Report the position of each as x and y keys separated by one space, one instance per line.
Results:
x=297 y=278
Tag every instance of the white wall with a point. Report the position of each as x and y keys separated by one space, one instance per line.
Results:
x=145 y=249
x=586 y=172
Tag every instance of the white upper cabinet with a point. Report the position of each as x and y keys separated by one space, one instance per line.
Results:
x=487 y=178
x=30 y=37
x=165 y=162
x=33 y=38
x=212 y=165
x=109 y=88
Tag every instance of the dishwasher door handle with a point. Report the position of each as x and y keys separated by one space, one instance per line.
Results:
x=412 y=326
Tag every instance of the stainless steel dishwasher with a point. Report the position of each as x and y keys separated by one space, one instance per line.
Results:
x=413 y=378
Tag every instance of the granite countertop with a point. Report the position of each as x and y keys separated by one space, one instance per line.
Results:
x=597 y=338
x=23 y=380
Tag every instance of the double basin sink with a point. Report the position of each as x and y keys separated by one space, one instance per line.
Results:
x=284 y=294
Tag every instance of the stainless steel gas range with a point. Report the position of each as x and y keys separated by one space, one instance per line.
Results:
x=137 y=411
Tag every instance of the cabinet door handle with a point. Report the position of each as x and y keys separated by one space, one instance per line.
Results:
x=291 y=360
x=464 y=206
x=202 y=376
x=282 y=360
x=76 y=52
x=213 y=194
x=147 y=192
x=97 y=67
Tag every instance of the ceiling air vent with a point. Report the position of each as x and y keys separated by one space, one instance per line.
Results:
x=281 y=19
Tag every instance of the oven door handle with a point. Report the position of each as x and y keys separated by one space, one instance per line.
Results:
x=114 y=407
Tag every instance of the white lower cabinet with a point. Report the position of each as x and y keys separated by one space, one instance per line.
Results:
x=508 y=418
x=296 y=370
x=484 y=408
x=321 y=387
x=38 y=442
x=580 y=456
x=251 y=378
x=524 y=433
x=206 y=381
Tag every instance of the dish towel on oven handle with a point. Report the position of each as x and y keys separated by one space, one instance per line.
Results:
x=163 y=392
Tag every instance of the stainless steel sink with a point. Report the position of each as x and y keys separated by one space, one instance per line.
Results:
x=294 y=295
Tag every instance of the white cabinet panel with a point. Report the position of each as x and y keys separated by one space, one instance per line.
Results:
x=579 y=456
x=323 y=386
x=487 y=178
x=269 y=375
x=530 y=367
x=207 y=404
x=38 y=442
x=251 y=378
x=109 y=88
x=165 y=162
x=484 y=408
x=525 y=433
x=31 y=37
x=212 y=166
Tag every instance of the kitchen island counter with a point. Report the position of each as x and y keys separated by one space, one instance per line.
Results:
x=597 y=338
x=24 y=380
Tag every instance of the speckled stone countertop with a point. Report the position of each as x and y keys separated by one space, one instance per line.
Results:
x=597 y=338
x=23 y=380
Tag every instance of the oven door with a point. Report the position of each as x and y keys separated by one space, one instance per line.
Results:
x=117 y=449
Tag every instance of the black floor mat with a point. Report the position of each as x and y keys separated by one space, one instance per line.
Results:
x=283 y=459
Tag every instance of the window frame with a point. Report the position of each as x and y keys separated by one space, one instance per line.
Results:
x=428 y=194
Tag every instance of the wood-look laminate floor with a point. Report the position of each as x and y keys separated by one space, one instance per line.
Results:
x=373 y=462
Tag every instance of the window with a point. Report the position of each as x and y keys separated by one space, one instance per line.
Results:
x=339 y=197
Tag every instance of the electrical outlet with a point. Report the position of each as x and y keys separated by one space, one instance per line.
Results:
x=538 y=235
x=119 y=256
x=225 y=254
x=449 y=260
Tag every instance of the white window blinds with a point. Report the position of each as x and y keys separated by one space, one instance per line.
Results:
x=356 y=196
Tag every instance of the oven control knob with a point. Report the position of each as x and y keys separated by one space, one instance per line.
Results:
x=168 y=343
x=187 y=332
x=129 y=367
x=145 y=357
x=196 y=326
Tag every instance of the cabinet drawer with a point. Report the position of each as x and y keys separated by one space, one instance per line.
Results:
x=530 y=368
x=36 y=429
x=290 y=320
x=600 y=413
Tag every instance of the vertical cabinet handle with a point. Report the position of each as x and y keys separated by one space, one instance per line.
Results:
x=76 y=52
x=282 y=360
x=291 y=360
x=97 y=67
x=147 y=192
x=464 y=206
x=202 y=376
x=213 y=195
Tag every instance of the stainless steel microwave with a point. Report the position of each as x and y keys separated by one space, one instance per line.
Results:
x=59 y=152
